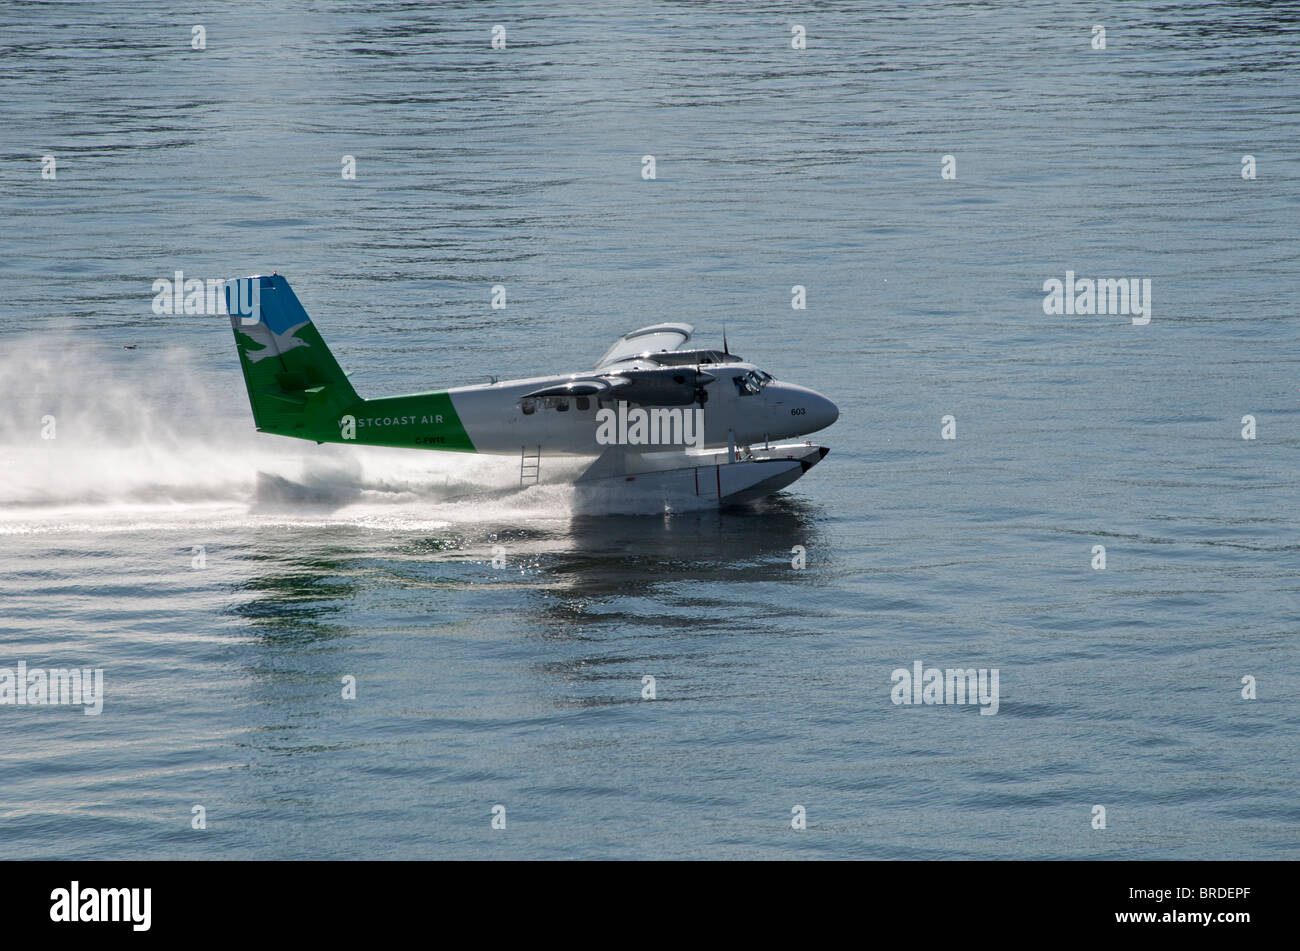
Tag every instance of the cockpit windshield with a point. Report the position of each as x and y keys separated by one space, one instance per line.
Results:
x=751 y=382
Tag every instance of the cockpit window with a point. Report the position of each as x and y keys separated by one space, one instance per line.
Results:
x=751 y=382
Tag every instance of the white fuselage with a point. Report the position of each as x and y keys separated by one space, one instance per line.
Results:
x=744 y=406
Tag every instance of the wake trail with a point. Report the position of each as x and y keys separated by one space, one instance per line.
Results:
x=98 y=439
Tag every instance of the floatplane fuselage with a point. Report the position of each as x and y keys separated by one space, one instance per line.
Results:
x=653 y=414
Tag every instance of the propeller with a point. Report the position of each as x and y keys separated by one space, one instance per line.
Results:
x=702 y=380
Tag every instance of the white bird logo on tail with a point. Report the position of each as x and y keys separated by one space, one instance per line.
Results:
x=273 y=344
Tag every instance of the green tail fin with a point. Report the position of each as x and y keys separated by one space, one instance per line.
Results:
x=295 y=386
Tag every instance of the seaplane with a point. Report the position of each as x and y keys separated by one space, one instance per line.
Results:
x=675 y=427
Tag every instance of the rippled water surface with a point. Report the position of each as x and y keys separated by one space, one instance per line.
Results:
x=522 y=686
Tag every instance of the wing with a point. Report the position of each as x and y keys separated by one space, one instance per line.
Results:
x=658 y=337
x=668 y=386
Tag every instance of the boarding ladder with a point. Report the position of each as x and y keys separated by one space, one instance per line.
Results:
x=530 y=465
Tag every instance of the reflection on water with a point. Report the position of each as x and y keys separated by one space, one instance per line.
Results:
x=299 y=579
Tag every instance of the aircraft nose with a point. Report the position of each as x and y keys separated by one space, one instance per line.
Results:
x=823 y=412
x=814 y=410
